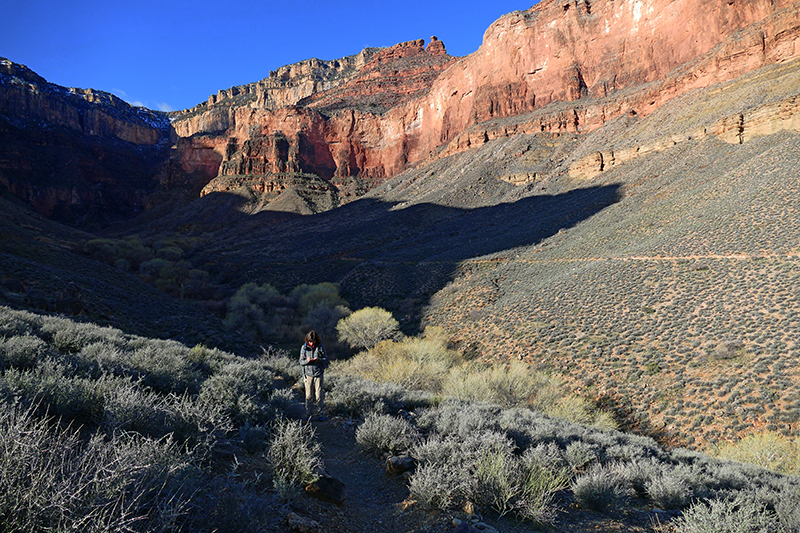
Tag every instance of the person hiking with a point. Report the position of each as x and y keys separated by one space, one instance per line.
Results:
x=313 y=359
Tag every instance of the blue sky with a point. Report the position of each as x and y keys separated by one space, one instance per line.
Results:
x=174 y=54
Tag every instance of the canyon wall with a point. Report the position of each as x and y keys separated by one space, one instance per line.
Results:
x=575 y=64
x=77 y=155
x=561 y=66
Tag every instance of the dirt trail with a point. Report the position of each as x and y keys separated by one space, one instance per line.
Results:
x=376 y=501
x=380 y=503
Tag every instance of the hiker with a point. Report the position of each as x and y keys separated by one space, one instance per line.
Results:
x=314 y=360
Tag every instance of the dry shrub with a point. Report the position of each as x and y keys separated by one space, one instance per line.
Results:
x=768 y=450
x=518 y=385
x=426 y=363
x=294 y=456
x=413 y=363
x=386 y=433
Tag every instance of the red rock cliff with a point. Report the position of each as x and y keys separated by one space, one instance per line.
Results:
x=600 y=59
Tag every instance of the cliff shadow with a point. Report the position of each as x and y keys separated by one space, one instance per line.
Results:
x=388 y=256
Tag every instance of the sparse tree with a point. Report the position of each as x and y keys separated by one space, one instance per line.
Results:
x=367 y=327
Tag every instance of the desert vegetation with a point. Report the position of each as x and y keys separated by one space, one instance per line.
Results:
x=107 y=431
x=264 y=315
x=160 y=263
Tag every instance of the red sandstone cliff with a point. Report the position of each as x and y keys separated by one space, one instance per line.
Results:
x=408 y=104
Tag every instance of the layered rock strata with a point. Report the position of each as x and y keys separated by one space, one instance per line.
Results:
x=561 y=66
x=571 y=64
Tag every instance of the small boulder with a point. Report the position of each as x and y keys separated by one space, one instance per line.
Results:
x=327 y=488
x=302 y=524
x=399 y=464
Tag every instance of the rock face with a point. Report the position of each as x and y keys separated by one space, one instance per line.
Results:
x=77 y=154
x=331 y=126
x=561 y=66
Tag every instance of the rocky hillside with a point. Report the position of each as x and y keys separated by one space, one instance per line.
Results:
x=651 y=261
x=326 y=132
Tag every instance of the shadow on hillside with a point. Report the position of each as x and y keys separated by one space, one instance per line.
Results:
x=385 y=255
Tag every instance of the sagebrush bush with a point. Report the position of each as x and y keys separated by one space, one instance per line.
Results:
x=599 y=489
x=242 y=390
x=640 y=472
x=54 y=387
x=282 y=364
x=294 y=456
x=68 y=336
x=166 y=367
x=463 y=419
x=581 y=454
x=385 y=433
x=548 y=456
x=741 y=514
x=22 y=352
x=484 y=469
x=447 y=473
x=53 y=480
x=668 y=492
x=357 y=397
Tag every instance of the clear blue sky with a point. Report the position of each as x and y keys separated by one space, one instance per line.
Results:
x=173 y=54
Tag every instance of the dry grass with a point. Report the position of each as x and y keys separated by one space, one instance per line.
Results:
x=769 y=450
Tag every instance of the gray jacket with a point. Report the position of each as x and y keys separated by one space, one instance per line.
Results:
x=313 y=368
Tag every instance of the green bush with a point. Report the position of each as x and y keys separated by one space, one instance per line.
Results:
x=103 y=250
x=260 y=312
x=518 y=385
x=367 y=327
x=539 y=485
x=309 y=297
x=413 y=363
x=768 y=450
